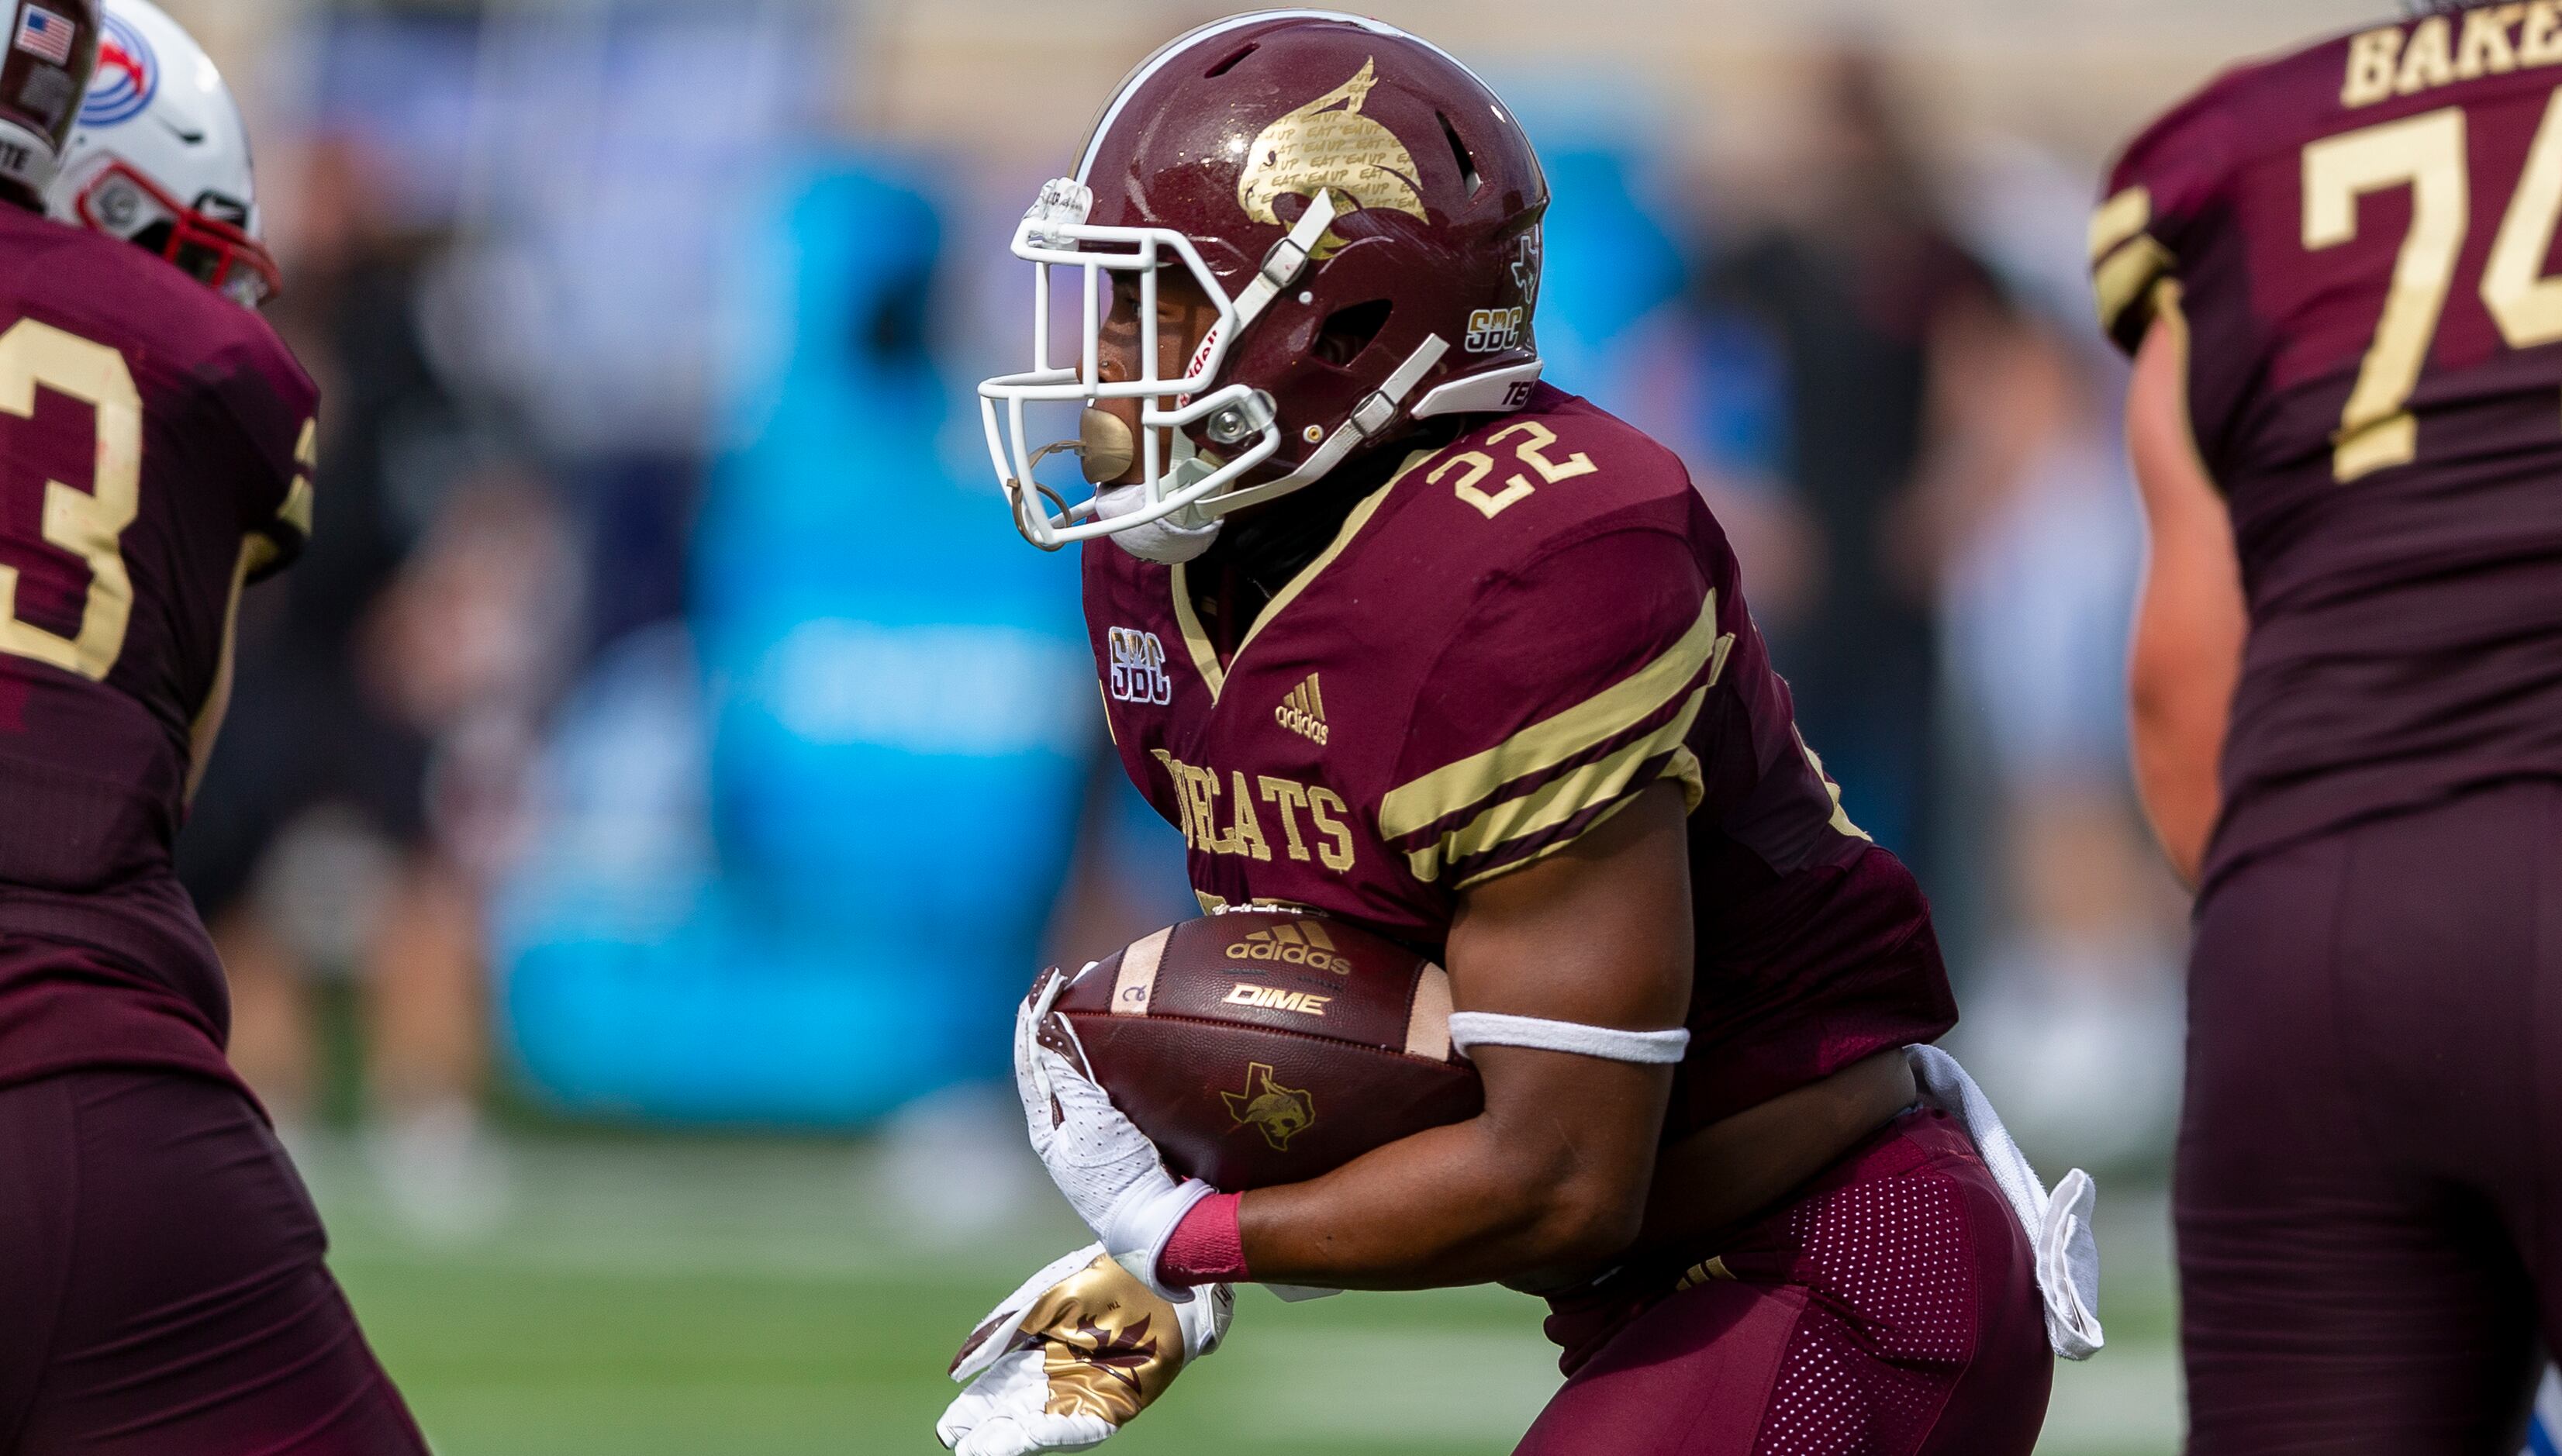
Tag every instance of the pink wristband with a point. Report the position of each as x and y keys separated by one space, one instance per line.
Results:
x=1207 y=1247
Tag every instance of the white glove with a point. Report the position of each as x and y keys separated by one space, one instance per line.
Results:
x=1111 y=1173
x=1072 y=1357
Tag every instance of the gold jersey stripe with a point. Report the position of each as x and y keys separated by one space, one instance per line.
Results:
x=1683 y=768
x=2126 y=278
x=2120 y=219
x=1559 y=801
x=1546 y=744
x=1197 y=642
x=255 y=553
x=2170 y=306
x=297 y=510
x=1343 y=540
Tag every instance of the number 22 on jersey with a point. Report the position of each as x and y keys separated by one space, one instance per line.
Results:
x=90 y=523
x=2427 y=154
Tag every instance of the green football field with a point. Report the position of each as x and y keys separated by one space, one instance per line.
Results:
x=662 y=1297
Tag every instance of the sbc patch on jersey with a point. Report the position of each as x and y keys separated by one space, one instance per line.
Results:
x=1139 y=668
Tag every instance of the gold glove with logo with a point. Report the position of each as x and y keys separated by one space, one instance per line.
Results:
x=1073 y=1355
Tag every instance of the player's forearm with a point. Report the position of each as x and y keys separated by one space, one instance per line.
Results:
x=1475 y=1203
x=2178 y=710
x=2193 y=618
x=1727 y=1172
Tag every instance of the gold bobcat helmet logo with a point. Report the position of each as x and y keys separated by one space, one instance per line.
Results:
x=1281 y=1112
x=1329 y=145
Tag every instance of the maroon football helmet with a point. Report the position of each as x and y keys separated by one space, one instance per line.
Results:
x=1317 y=175
x=53 y=51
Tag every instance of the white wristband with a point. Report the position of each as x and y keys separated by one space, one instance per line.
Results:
x=1646 y=1048
x=1142 y=1223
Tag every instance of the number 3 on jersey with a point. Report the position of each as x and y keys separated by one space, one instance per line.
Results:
x=2426 y=153
x=88 y=523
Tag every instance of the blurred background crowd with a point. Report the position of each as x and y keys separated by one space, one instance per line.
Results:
x=669 y=732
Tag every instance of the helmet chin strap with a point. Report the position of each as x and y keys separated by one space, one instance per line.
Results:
x=1288 y=258
x=1174 y=539
x=1185 y=534
x=1367 y=422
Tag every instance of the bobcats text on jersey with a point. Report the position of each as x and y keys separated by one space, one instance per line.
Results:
x=1238 y=828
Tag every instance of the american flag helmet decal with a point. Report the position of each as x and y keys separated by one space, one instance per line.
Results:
x=43 y=33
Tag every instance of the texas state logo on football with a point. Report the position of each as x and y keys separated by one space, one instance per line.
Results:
x=1226 y=815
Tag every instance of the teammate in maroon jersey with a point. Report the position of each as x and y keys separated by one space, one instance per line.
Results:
x=163 y=1289
x=2335 y=273
x=1392 y=630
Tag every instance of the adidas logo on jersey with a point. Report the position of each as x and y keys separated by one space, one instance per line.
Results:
x=1300 y=943
x=1304 y=712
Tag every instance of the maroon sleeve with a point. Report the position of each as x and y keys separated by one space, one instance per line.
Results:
x=2158 y=193
x=264 y=411
x=1573 y=683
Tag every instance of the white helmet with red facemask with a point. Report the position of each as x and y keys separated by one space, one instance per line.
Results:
x=162 y=158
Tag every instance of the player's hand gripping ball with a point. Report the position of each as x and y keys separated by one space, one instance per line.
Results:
x=1259 y=1046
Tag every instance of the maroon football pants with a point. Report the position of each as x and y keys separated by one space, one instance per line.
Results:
x=2369 y=1188
x=1889 y=1310
x=162 y=1289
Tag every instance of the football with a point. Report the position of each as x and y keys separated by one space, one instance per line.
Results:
x=1268 y=1047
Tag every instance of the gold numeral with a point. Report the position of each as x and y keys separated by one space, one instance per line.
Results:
x=87 y=523
x=1541 y=437
x=1479 y=466
x=2427 y=154
x=2526 y=303
x=1532 y=452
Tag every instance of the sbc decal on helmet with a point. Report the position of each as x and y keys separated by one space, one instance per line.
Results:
x=1323 y=179
x=128 y=76
x=162 y=158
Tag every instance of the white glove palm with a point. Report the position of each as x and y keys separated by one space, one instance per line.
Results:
x=1073 y=1355
x=1110 y=1171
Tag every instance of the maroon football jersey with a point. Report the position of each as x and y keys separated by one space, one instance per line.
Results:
x=2358 y=240
x=1504 y=645
x=156 y=450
